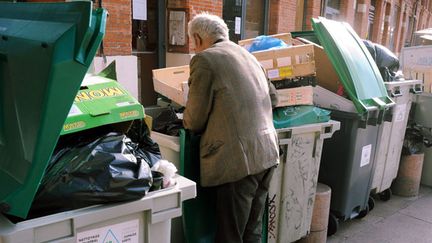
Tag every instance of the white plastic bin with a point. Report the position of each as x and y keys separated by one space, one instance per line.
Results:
x=169 y=147
x=293 y=186
x=147 y=220
x=422 y=116
x=170 y=150
x=391 y=135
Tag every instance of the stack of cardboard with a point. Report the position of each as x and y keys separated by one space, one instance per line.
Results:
x=291 y=70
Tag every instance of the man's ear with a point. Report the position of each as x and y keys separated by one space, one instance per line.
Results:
x=198 y=39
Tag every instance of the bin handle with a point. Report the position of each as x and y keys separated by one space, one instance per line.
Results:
x=396 y=92
x=417 y=89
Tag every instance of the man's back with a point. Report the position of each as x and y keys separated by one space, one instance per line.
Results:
x=238 y=135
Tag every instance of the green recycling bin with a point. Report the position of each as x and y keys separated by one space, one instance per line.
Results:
x=348 y=158
x=198 y=214
x=45 y=51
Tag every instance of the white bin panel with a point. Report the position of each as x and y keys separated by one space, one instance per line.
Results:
x=293 y=186
x=147 y=220
x=391 y=135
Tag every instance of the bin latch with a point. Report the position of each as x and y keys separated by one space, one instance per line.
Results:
x=396 y=92
x=417 y=89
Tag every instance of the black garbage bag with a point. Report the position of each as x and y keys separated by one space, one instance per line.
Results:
x=415 y=137
x=168 y=123
x=371 y=48
x=102 y=171
x=386 y=60
x=143 y=146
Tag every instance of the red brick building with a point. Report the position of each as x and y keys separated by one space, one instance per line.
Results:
x=161 y=39
x=389 y=22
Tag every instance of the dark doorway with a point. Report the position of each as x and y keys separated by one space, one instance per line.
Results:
x=148 y=38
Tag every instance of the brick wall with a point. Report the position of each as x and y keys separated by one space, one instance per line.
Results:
x=347 y=11
x=313 y=10
x=192 y=8
x=378 y=21
x=282 y=16
x=211 y=6
x=361 y=22
x=118 y=35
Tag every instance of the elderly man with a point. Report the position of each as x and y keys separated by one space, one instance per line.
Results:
x=230 y=104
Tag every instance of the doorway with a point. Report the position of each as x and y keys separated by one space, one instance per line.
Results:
x=148 y=38
x=246 y=18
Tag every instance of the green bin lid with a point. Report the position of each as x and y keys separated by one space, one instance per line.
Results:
x=355 y=66
x=45 y=51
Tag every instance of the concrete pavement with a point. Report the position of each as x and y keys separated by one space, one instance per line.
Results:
x=399 y=220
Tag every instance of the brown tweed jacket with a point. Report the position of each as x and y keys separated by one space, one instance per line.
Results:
x=229 y=104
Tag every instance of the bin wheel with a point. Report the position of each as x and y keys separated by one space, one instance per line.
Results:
x=385 y=195
x=371 y=203
x=363 y=213
x=333 y=225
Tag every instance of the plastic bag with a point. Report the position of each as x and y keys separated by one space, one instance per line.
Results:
x=415 y=137
x=144 y=147
x=264 y=42
x=167 y=122
x=168 y=169
x=386 y=60
x=102 y=171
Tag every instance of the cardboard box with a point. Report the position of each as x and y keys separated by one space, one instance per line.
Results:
x=326 y=74
x=285 y=37
x=294 y=61
x=101 y=101
x=295 y=96
x=172 y=83
x=329 y=100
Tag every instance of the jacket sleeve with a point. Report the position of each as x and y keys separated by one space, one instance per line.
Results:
x=200 y=96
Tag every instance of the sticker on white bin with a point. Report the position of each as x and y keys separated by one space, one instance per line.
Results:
x=366 y=155
x=400 y=112
x=117 y=233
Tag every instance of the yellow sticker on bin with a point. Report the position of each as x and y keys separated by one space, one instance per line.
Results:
x=285 y=72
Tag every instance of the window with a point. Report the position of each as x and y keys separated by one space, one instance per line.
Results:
x=332 y=9
x=254 y=25
x=245 y=18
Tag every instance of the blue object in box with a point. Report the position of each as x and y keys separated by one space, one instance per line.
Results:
x=299 y=115
x=264 y=42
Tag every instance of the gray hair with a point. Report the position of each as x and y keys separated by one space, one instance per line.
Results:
x=208 y=26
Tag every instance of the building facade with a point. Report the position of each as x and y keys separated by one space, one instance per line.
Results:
x=388 y=22
x=157 y=35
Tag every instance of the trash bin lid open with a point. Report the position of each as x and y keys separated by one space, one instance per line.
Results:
x=45 y=51
x=354 y=65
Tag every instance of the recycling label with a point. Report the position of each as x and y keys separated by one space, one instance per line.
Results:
x=118 y=233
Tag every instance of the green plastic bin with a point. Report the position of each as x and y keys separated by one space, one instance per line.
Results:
x=198 y=214
x=45 y=51
x=348 y=158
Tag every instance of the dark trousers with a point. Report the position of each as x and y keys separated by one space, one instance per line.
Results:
x=240 y=207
